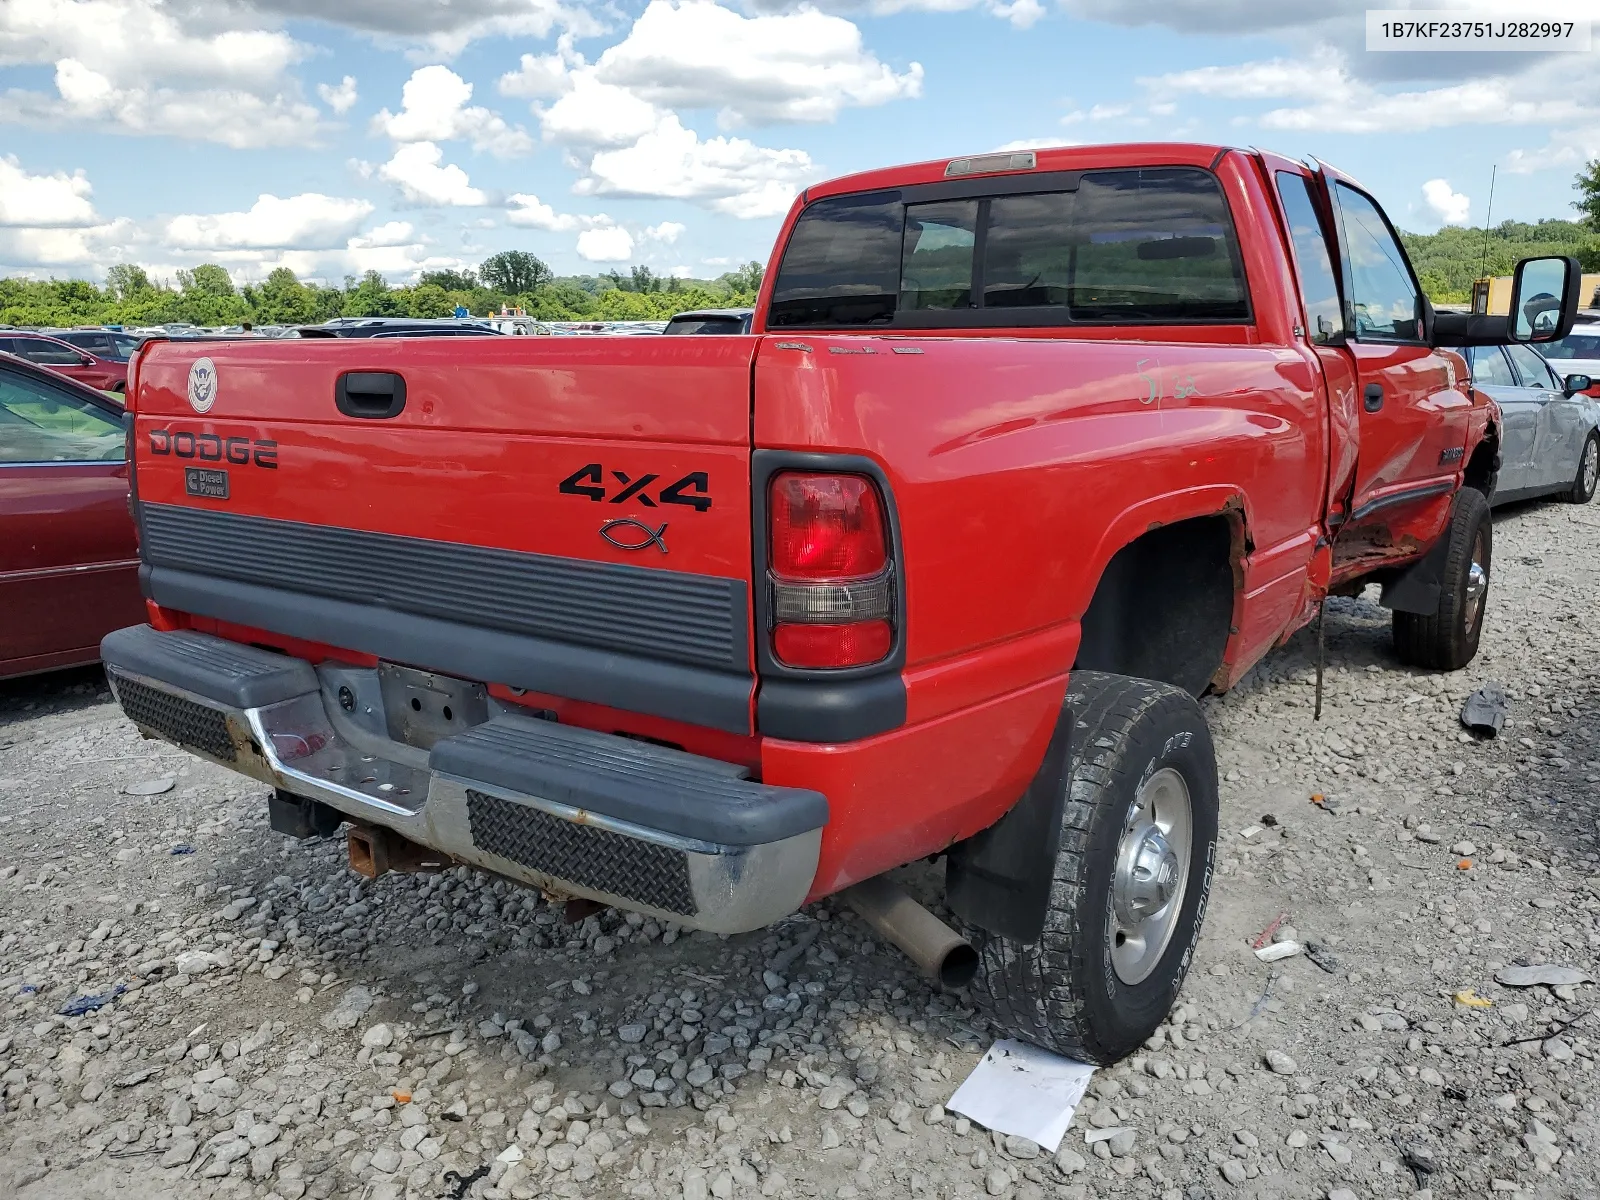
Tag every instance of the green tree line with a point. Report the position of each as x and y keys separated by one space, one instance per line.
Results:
x=1448 y=261
x=207 y=295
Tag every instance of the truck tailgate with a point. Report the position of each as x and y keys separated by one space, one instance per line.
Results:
x=569 y=515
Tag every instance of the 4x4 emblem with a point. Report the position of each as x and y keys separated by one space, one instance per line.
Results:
x=617 y=532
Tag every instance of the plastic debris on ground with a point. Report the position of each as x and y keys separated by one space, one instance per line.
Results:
x=1467 y=998
x=150 y=787
x=1277 y=951
x=1022 y=1090
x=1549 y=974
x=183 y=848
x=88 y=1004
x=1484 y=713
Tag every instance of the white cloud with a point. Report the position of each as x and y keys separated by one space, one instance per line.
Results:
x=610 y=243
x=537 y=76
x=1448 y=206
x=88 y=248
x=415 y=169
x=530 y=211
x=801 y=66
x=668 y=232
x=340 y=97
x=592 y=113
x=443 y=27
x=231 y=117
x=146 y=67
x=1322 y=75
x=434 y=109
x=1020 y=13
x=55 y=201
x=390 y=233
x=730 y=175
x=309 y=221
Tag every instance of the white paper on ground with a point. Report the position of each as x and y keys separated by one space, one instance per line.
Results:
x=1021 y=1089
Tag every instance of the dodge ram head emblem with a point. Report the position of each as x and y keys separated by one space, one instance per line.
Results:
x=626 y=533
x=202 y=385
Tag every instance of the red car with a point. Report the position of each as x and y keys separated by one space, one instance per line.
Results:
x=107 y=374
x=69 y=571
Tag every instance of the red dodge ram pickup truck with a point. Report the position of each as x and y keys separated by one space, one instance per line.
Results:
x=1023 y=453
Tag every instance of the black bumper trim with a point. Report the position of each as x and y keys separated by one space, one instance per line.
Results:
x=630 y=781
x=683 y=693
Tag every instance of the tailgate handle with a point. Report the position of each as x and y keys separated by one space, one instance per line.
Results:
x=375 y=395
x=1372 y=398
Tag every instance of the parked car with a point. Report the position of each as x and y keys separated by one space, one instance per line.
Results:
x=107 y=374
x=397 y=327
x=1579 y=352
x=108 y=344
x=712 y=320
x=1550 y=430
x=1026 y=451
x=69 y=571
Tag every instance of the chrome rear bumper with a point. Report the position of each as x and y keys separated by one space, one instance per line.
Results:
x=567 y=810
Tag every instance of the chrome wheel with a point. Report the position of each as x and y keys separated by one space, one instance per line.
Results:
x=1151 y=875
x=1477 y=582
x=1591 y=466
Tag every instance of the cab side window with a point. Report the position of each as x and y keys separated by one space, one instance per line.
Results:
x=39 y=424
x=1384 y=297
x=1318 y=285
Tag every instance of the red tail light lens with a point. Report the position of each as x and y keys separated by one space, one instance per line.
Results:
x=832 y=580
x=823 y=646
x=826 y=527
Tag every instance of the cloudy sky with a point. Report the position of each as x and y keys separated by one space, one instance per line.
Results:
x=337 y=136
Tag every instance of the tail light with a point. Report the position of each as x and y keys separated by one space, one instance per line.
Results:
x=831 y=573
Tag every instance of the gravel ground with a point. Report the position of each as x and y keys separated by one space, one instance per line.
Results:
x=289 y=1029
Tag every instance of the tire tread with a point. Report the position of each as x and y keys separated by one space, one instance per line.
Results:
x=1032 y=991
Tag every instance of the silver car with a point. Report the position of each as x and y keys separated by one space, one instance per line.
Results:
x=1550 y=437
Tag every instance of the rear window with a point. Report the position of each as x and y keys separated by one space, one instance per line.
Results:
x=717 y=324
x=1152 y=246
x=1577 y=344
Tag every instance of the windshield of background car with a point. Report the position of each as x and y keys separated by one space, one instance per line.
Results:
x=717 y=324
x=40 y=424
x=1580 y=343
x=1145 y=246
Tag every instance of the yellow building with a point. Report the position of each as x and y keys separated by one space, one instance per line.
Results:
x=1494 y=295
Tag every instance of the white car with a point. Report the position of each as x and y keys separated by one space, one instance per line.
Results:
x=1579 y=352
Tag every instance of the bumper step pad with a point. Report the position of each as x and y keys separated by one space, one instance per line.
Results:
x=588 y=856
x=186 y=722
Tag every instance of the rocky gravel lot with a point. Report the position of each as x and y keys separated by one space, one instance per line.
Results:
x=273 y=1025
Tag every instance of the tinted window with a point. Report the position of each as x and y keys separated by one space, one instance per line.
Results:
x=48 y=353
x=1383 y=297
x=936 y=260
x=1144 y=246
x=40 y=424
x=1154 y=245
x=1489 y=367
x=705 y=325
x=1318 y=287
x=1027 y=258
x=95 y=343
x=1585 y=344
x=1533 y=370
x=842 y=263
x=125 y=346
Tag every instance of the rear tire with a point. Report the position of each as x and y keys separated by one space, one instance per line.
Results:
x=1583 y=487
x=1447 y=638
x=1097 y=984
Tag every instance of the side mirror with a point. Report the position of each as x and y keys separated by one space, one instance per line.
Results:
x=1573 y=384
x=1544 y=299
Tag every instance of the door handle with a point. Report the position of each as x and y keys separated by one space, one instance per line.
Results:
x=375 y=395
x=1372 y=397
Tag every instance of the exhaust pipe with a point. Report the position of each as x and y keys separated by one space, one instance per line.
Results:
x=944 y=955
